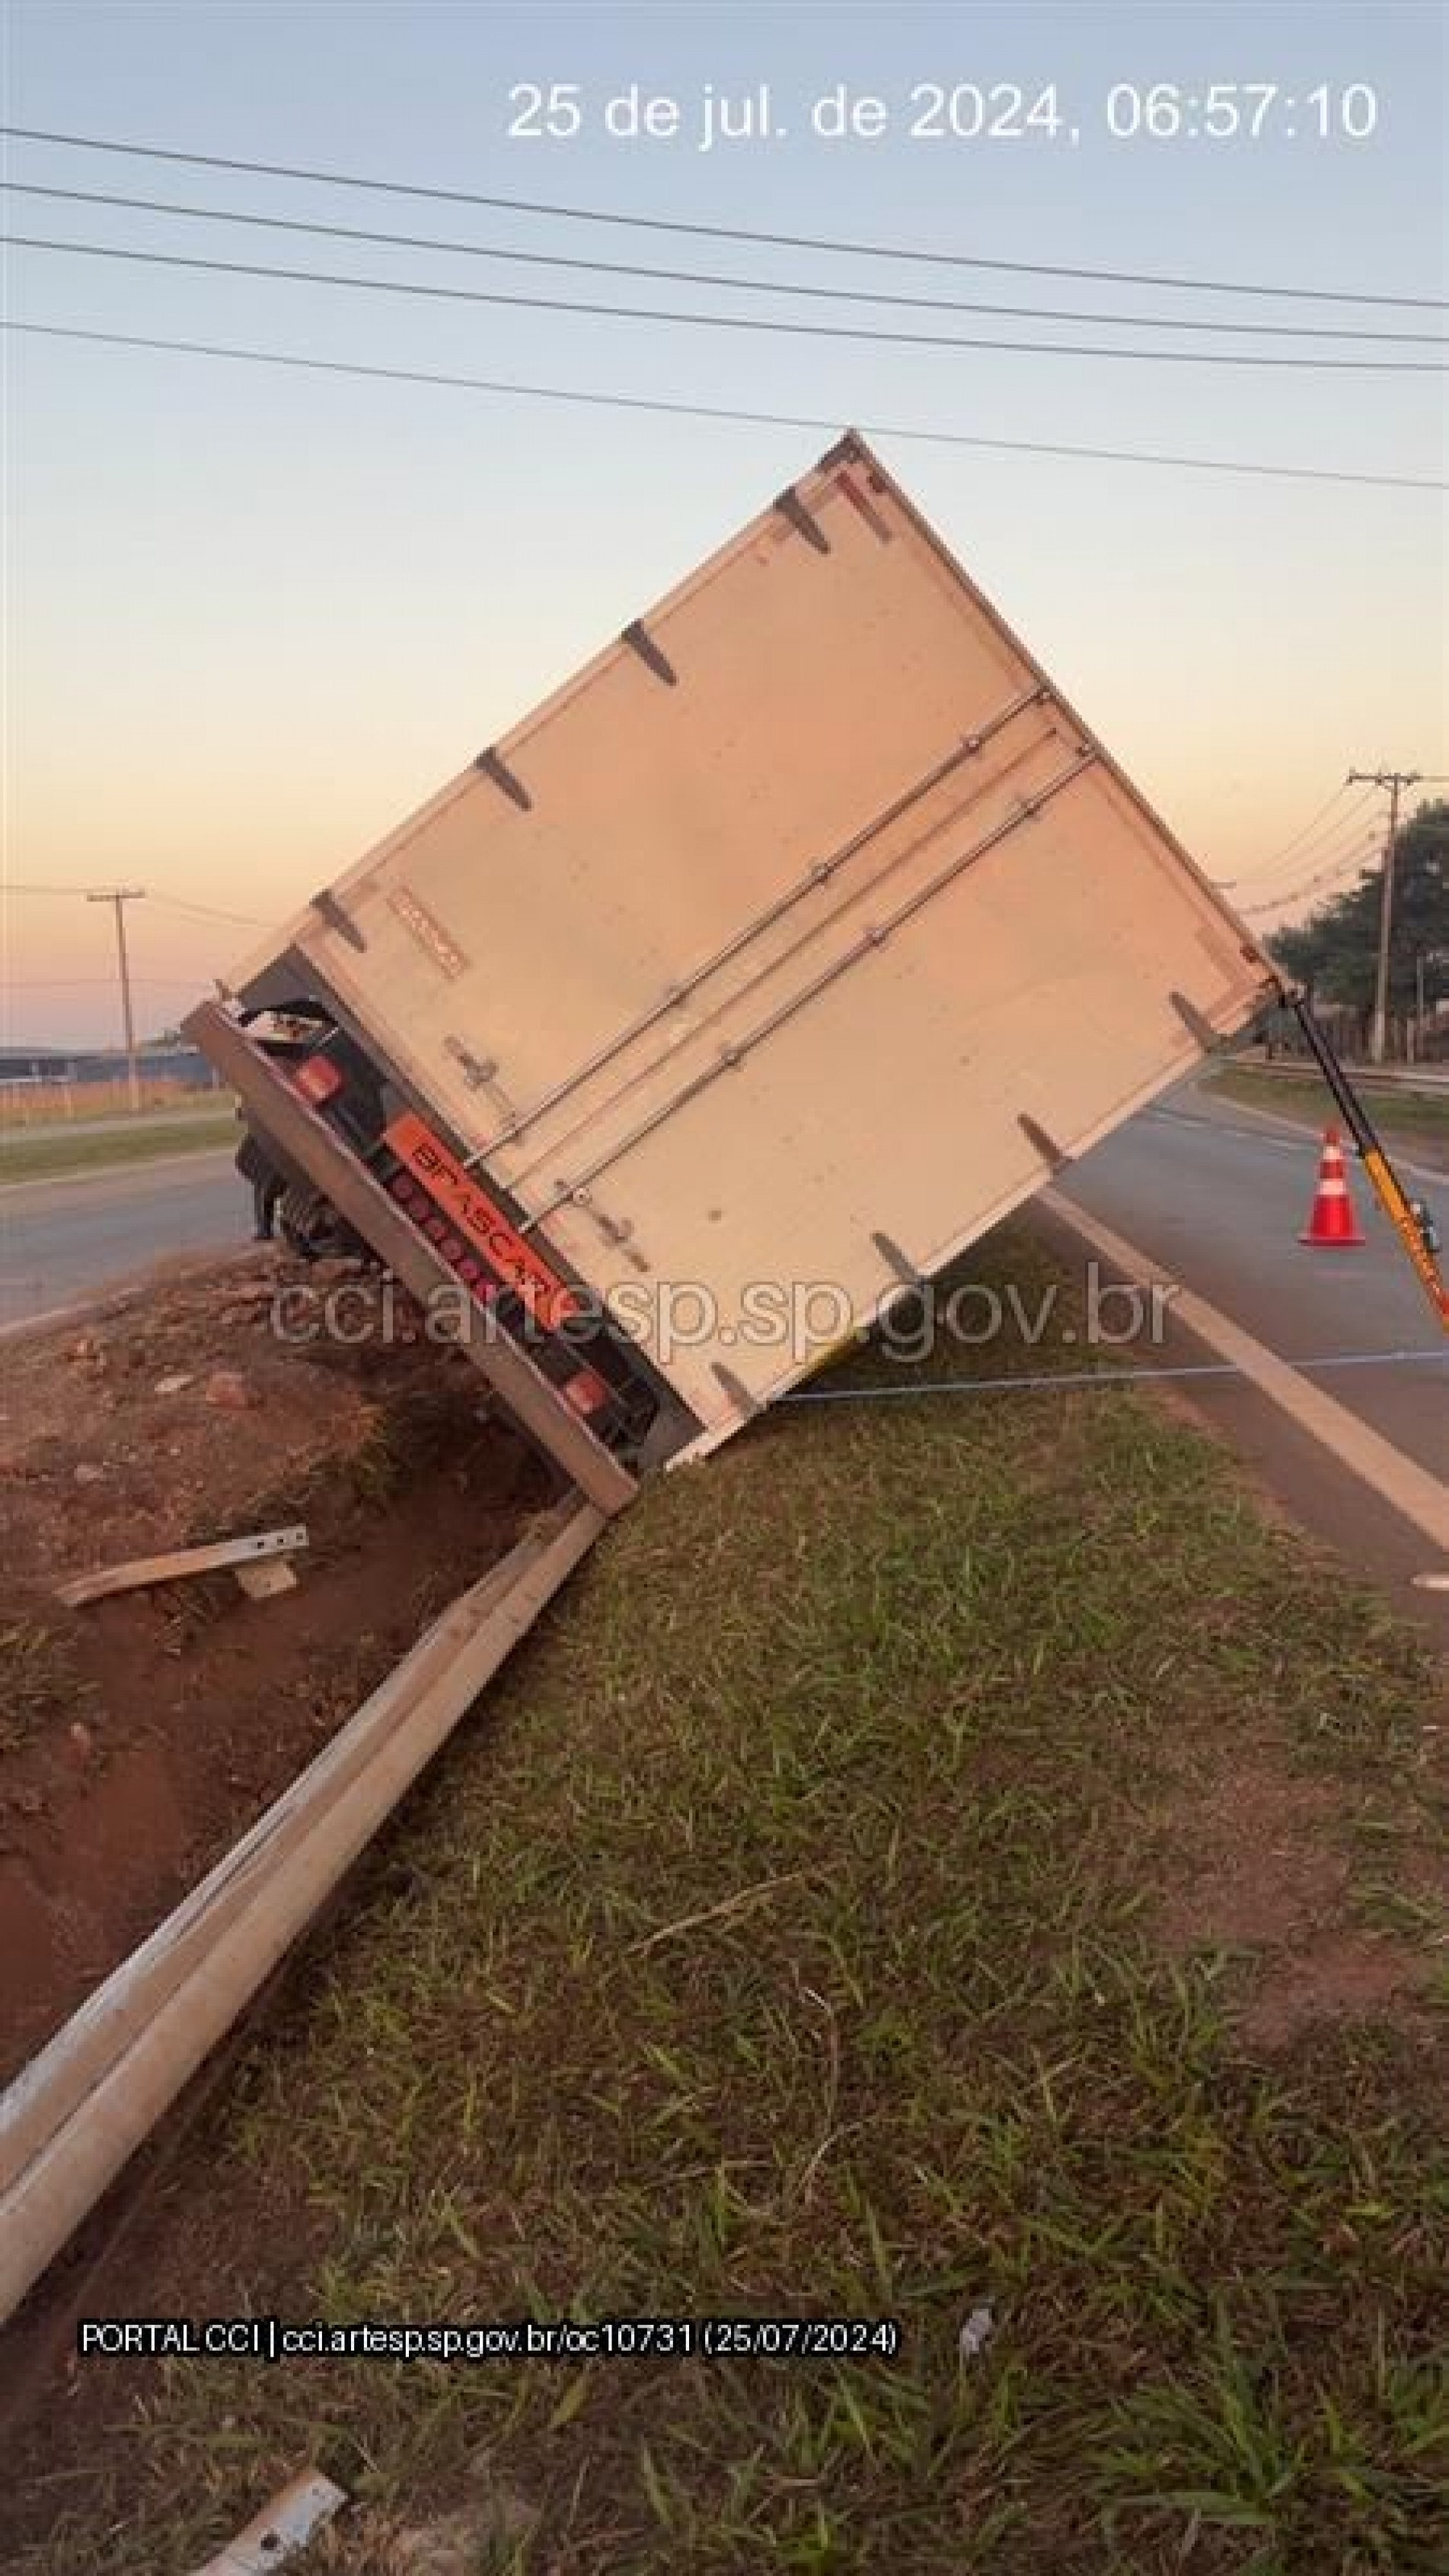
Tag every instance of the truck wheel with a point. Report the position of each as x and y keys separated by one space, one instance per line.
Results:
x=308 y=1223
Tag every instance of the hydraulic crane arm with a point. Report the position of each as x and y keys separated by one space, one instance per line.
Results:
x=1409 y=1217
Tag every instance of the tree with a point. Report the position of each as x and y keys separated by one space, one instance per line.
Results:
x=1334 y=953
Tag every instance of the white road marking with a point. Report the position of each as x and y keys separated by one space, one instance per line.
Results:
x=1286 y=1135
x=1409 y=1489
x=1275 y=1139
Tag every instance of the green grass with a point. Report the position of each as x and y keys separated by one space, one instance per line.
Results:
x=38 y=1680
x=908 y=1704
x=1412 y=1118
x=51 y=1154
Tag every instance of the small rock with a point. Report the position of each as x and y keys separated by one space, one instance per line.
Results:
x=458 y=2543
x=84 y=1349
x=81 y=1741
x=173 y=1385
x=977 y=2332
x=86 y=1474
x=228 y=1389
x=27 y=1802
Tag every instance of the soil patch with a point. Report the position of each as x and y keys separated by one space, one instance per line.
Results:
x=141 y=1734
x=1261 y=1863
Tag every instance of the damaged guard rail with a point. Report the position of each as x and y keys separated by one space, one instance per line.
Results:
x=77 y=2113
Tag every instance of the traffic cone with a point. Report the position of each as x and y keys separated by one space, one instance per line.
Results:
x=1332 y=1219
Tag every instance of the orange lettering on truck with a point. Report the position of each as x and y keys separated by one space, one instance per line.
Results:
x=479 y=1217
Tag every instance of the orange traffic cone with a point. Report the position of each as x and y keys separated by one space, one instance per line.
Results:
x=1332 y=1219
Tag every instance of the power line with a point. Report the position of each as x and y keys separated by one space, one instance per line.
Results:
x=1351 y=821
x=1315 y=847
x=1346 y=862
x=208 y=911
x=709 y=277
x=708 y=231
x=1330 y=853
x=1304 y=833
x=1288 y=908
x=1314 y=842
x=1359 y=853
x=171 y=902
x=74 y=983
x=1320 y=863
x=661 y=314
x=1306 y=885
x=674 y=409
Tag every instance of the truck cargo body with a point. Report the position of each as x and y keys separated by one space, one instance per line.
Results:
x=780 y=954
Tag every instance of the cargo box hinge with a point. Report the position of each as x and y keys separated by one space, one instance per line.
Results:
x=848 y=450
x=736 y=1389
x=640 y=641
x=502 y=776
x=791 y=507
x=1055 y=1156
x=898 y=1261
x=327 y=905
x=1193 y=1021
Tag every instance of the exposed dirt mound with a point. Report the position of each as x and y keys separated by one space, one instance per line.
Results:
x=141 y=1734
x=1264 y=1865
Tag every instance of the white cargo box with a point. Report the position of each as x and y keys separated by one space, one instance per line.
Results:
x=794 y=942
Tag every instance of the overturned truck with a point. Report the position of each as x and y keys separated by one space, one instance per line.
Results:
x=784 y=950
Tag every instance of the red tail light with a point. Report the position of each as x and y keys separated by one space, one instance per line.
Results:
x=318 y=1078
x=586 y=1391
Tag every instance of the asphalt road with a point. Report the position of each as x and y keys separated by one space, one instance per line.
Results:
x=60 y=1240
x=1221 y=1203
x=1220 y=1200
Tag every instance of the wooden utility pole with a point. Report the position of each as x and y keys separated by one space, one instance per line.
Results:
x=120 y=896
x=1395 y=780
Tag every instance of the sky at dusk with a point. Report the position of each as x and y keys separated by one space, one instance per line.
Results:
x=254 y=614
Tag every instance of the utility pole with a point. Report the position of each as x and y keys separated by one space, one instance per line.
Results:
x=1395 y=780
x=119 y=897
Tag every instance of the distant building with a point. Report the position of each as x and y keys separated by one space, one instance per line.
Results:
x=184 y=1066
